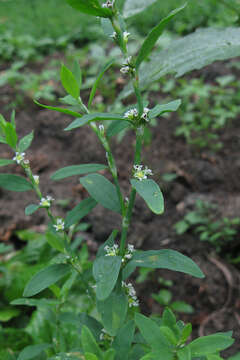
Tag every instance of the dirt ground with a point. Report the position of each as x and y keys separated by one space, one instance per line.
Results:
x=201 y=175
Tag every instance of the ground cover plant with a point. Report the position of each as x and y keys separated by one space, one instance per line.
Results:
x=118 y=329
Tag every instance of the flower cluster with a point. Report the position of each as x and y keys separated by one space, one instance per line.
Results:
x=128 y=66
x=109 y=4
x=19 y=157
x=114 y=35
x=46 y=202
x=131 y=114
x=131 y=293
x=129 y=253
x=111 y=250
x=140 y=173
x=59 y=226
x=105 y=337
x=145 y=114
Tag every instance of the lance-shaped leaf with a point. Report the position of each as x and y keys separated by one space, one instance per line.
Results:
x=161 y=109
x=105 y=272
x=36 y=302
x=96 y=82
x=153 y=36
x=113 y=311
x=25 y=142
x=11 y=135
x=89 y=343
x=79 y=211
x=4 y=162
x=85 y=119
x=90 y=7
x=149 y=190
x=69 y=82
x=32 y=351
x=30 y=209
x=102 y=190
x=210 y=344
x=116 y=127
x=14 y=183
x=123 y=340
x=133 y=7
x=166 y=259
x=77 y=73
x=61 y=110
x=77 y=170
x=55 y=241
x=45 y=278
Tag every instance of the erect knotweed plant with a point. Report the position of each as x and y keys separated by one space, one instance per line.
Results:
x=118 y=330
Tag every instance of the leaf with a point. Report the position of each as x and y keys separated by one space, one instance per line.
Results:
x=181 y=306
x=61 y=110
x=5 y=248
x=133 y=7
x=31 y=351
x=79 y=211
x=77 y=73
x=189 y=53
x=35 y=302
x=113 y=311
x=45 y=278
x=116 y=127
x=108 y=242
x=69 y=82
x=184 y=354
x=76 y=170
x=123 y=340
x=153 y=36
x=90 y=7
x=30 y=209
x=161 y=109
x=55 y=241
x=4 y=162
x=96 y=82
x=166 y=259
x=14 y=183
x=105 y=272
x=8 y=313
x=25 y=142
x=89 y=356
x=86 y=119
x=89 y=343
x=210 y=344
x=109 y=354
x=149 y=190
x=102 y=190
x=11 y=135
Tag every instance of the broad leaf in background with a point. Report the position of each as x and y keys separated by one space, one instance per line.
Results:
x=102 y=190
x=153 y=36
x=45 y=278
x=149 y=190
x=79 y=211
x=14 y=183
x=188 y=53
x=69 y=82
x=161 y=109
x=77 y=170
x=133 y=7
x=166 y=259
x=105 y=272
x=210 y=344
x=85 y=119
x=123 y=340
x=25 y=142
x=90 y=7
x=4 y=162
x=116 y=127
x=30 y=352
x=89 y=343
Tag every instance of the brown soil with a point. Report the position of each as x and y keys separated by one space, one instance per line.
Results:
x=201 y=175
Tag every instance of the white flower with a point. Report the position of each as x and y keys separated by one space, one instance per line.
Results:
x=131 y=114
x=131 y=293
x=145 y=114
x=101 y=129
x=108 y=4
x=126 y=35
x=111 y=250
x=140 y=173
x=19 y=157
x=60 y=225
x=46 y=202
x=36 y=179
x=125 y=69
x=114 y=35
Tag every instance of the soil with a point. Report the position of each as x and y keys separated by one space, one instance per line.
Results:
x=202 y=175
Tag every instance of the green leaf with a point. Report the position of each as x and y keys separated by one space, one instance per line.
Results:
x=14 y=183
x=89 y=356
x=86 y=119
x=45 y=278
x=4 y=162
x=133 y=7
x=55 y=241
x=161 y=109
x=102 y=190
x=113 y=311
x=153 y=336
x=30 y=209
x=166 y=259
x=5 y=248
x=69 y=82
x=61 y=110
x=77 y=170
x=79 y=211
x=89 y=343
x=210 y=344
x=186 y=332
x=31 y=351
x=108 y=242
x=184 y=354
x=153 y=36
x=77 y=73
x=168 y=318
x=8 y=313
x=109 y=354
x=25 y=142
x=181 y=306
x=105 y=272
x=149 y=190
x=116 y=127
x=96 y=82
x=11 y=135
x=123 y=340
x=35 y=302
x=90 y=7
